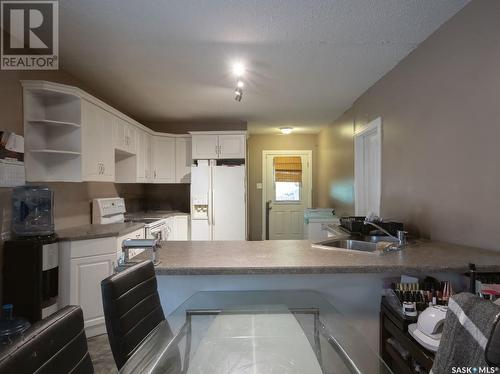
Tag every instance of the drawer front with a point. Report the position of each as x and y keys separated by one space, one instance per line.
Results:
x=411 y=346
x=92 y=247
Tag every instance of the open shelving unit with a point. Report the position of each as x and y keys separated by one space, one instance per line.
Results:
x=53 y=137
x=48 y=122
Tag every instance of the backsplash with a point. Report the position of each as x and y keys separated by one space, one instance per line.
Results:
x=73 y=200
x=167 y=197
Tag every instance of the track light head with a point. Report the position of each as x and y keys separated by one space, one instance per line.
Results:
x=238 y=94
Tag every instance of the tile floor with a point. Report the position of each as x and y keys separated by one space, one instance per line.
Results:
x=101 y=355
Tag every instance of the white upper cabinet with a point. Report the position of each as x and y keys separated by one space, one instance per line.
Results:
x=205 y=146
x=52 y=134
x=143 y=157
x=232 y=146
x=98 y=158
x=226 y=145
x=163 y=151
x=124 y=135
x=71 y=136
x=183 y=160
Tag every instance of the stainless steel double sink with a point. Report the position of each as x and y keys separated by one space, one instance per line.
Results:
x=362 y=244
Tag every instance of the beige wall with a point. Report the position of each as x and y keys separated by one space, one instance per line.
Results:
x=335 y=184
x=259 y=143
x=440 y=111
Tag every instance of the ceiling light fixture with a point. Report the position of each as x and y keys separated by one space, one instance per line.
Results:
x=238 y=69
x=240 y=84
x=286 y=130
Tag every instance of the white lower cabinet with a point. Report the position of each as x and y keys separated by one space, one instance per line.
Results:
x=181 y=228
x=177 y=227
x=83 y=265
x=86 y=276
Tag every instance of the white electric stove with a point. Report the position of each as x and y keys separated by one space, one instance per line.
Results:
x=113 y=210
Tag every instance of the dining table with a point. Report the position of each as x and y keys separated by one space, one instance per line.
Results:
x=255 y=332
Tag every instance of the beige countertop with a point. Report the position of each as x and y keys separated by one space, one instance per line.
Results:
x=154 y=214
x=297 y=257
x=86 y=232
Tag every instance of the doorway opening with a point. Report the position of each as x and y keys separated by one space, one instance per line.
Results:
x=368 y=168
x=287 y=191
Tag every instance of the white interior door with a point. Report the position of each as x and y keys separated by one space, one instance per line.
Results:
x=367 y=168
x=287 y=199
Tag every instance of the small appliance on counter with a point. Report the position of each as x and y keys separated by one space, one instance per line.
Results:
x=31 y=259
x=429 y=327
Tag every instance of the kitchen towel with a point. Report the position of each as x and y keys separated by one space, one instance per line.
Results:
x=467 y=328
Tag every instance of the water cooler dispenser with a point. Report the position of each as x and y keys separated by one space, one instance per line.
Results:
x=31 y=259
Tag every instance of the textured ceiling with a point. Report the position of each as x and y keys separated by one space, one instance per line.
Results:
x=307 y=60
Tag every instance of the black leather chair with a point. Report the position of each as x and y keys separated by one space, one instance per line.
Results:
x=54 y=345
x=132 y=309
x=493 y=346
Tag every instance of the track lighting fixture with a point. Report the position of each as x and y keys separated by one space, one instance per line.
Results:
x=238 y=94
x=239 y=70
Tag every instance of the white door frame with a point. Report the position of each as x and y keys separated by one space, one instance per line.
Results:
x=308 y=194
x=375 y=125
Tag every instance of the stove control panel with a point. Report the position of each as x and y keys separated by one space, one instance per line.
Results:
x=108 y=210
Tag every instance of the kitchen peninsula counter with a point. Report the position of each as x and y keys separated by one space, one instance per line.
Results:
x=298 y=257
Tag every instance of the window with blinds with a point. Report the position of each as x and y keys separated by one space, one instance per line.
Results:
x=287 y=178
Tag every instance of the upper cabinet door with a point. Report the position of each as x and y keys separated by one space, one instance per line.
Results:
x=130 y=138
x=163 y=159
x=183 y=160
x=98 y=158
x=205 y=147
x=143 y=141
x=232 y=146
x=119 y=134
x=124 y=136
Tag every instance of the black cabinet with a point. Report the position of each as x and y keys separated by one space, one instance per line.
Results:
x=397 y=348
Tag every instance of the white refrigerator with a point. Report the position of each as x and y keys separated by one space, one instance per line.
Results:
x=218 y=202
